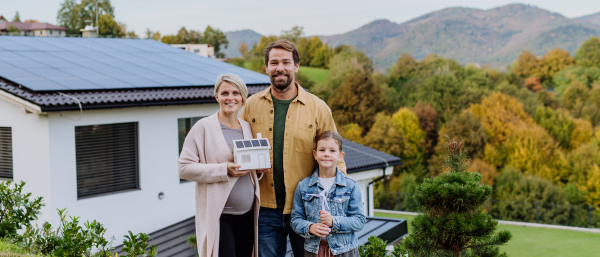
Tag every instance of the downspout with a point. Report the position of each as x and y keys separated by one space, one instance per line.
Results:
x=368 y=186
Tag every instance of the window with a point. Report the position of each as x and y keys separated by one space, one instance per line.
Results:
x=196 y=51
x=184 y=125
x=6 y=160
x=107 y=158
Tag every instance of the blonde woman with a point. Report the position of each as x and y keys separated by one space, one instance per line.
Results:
x=227 y=199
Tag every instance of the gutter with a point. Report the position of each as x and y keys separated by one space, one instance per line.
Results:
x=368 y=195
x=27 y=106
x=126 y=105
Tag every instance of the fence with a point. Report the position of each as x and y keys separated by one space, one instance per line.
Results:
x=534 y=212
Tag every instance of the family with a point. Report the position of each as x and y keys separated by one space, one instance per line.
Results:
x=306 y=195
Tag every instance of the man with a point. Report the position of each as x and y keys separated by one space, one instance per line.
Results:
x=291 y=118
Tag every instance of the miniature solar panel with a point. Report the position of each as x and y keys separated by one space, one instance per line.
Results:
x=263 y=142
x=247 y=143
x=63 y=64
x=255 y=143
x=239 y=144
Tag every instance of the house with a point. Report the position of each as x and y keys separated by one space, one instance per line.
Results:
x=252 y=154
x=199 y=49
x=96 y=125
x=36 y=29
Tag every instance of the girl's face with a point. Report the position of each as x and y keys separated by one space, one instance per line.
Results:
x=327 y=153
x=229 y=98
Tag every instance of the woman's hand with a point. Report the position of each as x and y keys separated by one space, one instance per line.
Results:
x=233 y=170
x=262 y=171
x=326 y=218
x=319 y=229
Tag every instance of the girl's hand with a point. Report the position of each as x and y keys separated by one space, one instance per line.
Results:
x=319 y=229
x=262 y=171
x=326 y=218
x=233 y=170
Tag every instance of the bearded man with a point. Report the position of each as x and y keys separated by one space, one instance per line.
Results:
x=290 y=118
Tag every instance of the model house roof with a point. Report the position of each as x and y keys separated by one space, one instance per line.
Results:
x=171 y=241
x=27 y=26
x=109 y=72
x=252 y=144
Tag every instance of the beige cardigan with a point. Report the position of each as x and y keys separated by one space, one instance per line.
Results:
x=204 y=159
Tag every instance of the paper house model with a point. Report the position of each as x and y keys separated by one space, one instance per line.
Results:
x=252 y=153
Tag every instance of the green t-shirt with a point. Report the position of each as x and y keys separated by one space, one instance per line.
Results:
x=281 y=109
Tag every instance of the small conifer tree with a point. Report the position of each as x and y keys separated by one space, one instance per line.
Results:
x=453 y=223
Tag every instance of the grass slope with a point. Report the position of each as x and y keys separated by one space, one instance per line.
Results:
x=538 y=242
x=317 y=75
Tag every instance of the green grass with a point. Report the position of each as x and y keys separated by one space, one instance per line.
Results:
x=539 y=242
x=318 y=75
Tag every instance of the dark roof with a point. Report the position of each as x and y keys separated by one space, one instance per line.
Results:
x=102 y=99
x=79 y=64
x=30 y=26
x=171 y=241
x=359 y=157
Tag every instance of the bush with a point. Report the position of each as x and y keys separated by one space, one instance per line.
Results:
x=16 y=209
x=136 y=245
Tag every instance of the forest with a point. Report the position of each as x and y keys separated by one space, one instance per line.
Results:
x=531 y=129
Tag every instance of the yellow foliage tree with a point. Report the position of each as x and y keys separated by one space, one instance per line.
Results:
x=552 y=62
x=581 y=134
x=352 y=132
x=526 y=65
x=501 y=115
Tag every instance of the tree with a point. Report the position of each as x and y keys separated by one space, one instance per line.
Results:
x=585 y=165
x=585 y=76
x=243 y=48
x=557 y=123
x=73 y=15
x=428 y=120
x=293 y=34
x=552 y=62
x=17 y=18
x=217 y=39
x=452 y=223
x=527 y=64
x=468 y=129
x=487 y=170
x=588 y=54
x=109 y=27
x=13 y=30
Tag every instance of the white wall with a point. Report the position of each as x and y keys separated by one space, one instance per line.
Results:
x=138 y=210
x=363 y=178
x=30 y=140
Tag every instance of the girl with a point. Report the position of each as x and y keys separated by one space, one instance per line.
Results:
x=328 y=206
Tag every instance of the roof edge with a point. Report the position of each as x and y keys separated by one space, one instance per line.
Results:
x=376 y=166
x=24 y=104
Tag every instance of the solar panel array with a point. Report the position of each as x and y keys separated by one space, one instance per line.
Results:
x=251 y=143
x=62 y=64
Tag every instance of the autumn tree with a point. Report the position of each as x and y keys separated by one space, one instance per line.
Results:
x=585 y=165
x=356 y=100
x=217 y=39
x=552 y=62
x=72 y=15
x=428 y=119
x=582 y=102
x=293 y=34
x=586 y=76
x=588 y=54
x=526 y=65
x=557 y=123
x=468 y=129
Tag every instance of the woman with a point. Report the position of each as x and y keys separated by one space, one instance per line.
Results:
x=227 y=199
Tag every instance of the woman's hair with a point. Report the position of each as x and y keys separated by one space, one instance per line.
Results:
x=234 y=80
x=330 y=135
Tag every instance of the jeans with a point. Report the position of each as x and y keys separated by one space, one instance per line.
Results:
x=273 y=230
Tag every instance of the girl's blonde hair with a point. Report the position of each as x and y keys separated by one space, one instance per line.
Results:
x=330 y=135
x=234 y=80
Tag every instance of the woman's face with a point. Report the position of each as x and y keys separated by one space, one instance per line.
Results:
x=229 y=98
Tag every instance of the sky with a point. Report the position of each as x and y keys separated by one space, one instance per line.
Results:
x=318 y=17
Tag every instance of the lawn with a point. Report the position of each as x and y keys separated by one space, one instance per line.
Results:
x=542 y=242
x=318 y=75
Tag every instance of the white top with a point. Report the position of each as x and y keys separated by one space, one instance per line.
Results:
x=327 y=183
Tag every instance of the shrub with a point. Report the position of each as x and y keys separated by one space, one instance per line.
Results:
x=136 y=245
x=16 y=209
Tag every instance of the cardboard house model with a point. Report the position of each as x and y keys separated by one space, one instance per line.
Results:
x=252 y=153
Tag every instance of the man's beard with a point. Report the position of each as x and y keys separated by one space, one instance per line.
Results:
x=281 y=85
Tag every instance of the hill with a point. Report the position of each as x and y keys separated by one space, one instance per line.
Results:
x=495 y=36
x=237 y=37
x=592 y=18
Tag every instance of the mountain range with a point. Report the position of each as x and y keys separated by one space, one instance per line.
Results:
x=495 y=36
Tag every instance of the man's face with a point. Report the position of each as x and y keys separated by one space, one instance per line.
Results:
x=281 y=68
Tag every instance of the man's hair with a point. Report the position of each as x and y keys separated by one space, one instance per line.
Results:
x=330 y=135
x=285 y=45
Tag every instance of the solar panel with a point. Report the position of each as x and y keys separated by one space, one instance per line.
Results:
x=239 y=144
x=255 y=143
x=263 y=142
x=247 y=143
x=50 y=64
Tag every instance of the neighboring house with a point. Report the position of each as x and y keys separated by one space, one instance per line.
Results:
x=199 y=49
x=2 y=19
x=34 y=29
x=96 y=126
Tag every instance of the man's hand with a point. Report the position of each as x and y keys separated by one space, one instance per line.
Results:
x=233 y=170
x=262 y=171
x=319 y=229
x=326 y=218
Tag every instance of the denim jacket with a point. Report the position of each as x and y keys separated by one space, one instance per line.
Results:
x=345 y=203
